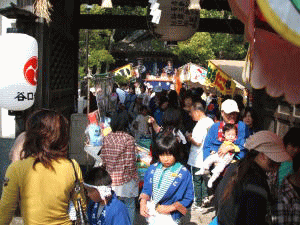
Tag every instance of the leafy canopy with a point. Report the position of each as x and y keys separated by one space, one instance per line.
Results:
x=202 y=46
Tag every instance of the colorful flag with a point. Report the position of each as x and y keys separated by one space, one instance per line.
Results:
x=123 y=71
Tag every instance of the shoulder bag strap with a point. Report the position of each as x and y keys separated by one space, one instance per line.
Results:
x=81 y=217
x=77 y=183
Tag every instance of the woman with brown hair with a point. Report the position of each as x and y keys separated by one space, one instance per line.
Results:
x=250 y=119
x=243 y=195
x=44 y=178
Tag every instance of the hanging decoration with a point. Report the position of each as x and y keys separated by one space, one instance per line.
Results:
x=18 y=70
x=273 y=31
x=106 y=4
x=193 y=73
x=284 y=17
x=194 y=5
x=172 y=20
x=42 y=9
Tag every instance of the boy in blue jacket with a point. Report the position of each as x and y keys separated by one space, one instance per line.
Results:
x=104 y=207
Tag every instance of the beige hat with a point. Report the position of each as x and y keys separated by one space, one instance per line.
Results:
x=229 y=106
x=268 y=143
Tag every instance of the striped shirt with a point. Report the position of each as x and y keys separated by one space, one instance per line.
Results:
x=162 y=180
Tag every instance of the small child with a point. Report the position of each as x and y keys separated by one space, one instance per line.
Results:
x=168 y=189
x=104 y=207
x=230 y=135
x=140 y=124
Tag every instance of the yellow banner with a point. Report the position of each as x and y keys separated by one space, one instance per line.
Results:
x=123 y=71
x=220 y=80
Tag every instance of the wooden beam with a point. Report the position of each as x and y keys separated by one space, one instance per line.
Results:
x=89 y=21
x=142 y=3
x=205 y=4
x=231 y=26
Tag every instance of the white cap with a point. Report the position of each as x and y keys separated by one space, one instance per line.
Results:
x=229 y=106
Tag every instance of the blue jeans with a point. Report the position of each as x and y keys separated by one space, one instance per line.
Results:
x=130 y=205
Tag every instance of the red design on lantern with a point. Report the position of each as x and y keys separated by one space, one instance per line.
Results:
x=30 y=70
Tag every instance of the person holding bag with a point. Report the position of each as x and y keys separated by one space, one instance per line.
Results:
x=43 y=180
x=168 y=188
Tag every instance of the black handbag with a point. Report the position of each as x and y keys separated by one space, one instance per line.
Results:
x=81 y=218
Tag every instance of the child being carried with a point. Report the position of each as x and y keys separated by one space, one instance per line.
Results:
x=230 y=135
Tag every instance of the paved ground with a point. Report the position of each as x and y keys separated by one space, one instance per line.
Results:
x=194 y=217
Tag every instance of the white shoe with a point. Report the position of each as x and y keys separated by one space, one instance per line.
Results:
x=200 y=172
x=195 y=207
x=209 y=184
x=205 y=202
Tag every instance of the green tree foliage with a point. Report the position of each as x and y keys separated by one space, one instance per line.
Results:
x=98 y=43
x=99 y=40
x=198 y=49
x=226 y=46
x=121 y=80
x=205 y=46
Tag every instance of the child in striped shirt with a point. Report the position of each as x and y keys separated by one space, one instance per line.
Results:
x=168 y=189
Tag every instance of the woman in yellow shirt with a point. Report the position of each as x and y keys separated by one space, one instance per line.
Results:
x=43 y=180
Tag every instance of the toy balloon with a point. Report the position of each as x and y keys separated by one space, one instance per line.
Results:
x=18 y=71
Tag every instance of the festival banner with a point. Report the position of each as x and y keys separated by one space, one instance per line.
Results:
x=220 y=80
x=197 y=74
x=184 y=72
x=193 y=73
x=123 y=71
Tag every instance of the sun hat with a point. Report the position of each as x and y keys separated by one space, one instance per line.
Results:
x=268 y=143
x=229 y=106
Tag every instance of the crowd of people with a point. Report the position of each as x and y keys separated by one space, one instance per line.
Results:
x=201 y=145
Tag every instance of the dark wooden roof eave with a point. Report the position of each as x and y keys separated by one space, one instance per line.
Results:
x=91 y=21
x=205 y=4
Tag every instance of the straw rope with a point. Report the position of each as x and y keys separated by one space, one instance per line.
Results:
x=42 y=9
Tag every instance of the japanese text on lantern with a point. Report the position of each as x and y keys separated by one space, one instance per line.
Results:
x=21 y=96
x=181 y=16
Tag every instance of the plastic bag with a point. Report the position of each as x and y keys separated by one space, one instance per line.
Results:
x=157 y=218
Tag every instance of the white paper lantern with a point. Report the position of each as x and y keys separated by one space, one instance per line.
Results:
x=172 y=20
x=18 y=71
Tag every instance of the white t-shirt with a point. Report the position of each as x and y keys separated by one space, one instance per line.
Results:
x=199 y=133
x=121 y=94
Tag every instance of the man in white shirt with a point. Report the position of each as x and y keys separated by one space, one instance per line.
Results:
x=195 y=160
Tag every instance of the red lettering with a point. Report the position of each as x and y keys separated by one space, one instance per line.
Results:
x=218 y=82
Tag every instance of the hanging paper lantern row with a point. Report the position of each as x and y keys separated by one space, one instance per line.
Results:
x=18 y=71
